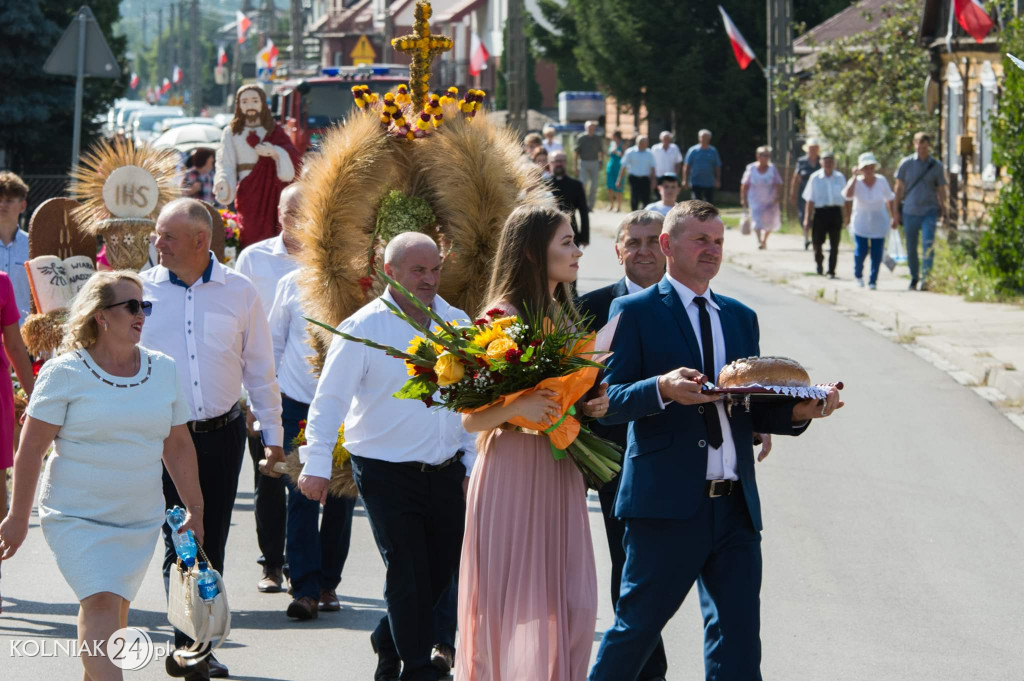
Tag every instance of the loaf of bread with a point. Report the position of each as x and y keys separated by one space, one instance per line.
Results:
x=780 y=371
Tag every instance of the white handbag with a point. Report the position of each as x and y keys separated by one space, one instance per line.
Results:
x=201 y=621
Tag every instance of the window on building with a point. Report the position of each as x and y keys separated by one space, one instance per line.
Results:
x=954 y=117
x=986 y=110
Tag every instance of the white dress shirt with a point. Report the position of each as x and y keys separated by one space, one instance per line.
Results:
x=265 y=263
x=632 y=286
x=357 y=387
x=288 y=331
x=825 y=190
x=666 y=160
x=217 y=334
x=721 y=461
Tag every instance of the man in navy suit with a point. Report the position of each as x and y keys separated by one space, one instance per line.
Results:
x=687 y=493
x=638 y=251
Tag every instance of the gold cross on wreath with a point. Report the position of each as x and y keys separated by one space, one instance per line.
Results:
x=422 y=48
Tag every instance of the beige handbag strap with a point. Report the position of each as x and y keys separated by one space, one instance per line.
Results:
x=188 y=657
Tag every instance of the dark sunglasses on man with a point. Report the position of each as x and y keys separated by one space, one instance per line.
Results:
x=134 y=306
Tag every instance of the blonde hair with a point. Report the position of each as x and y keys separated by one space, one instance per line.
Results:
x=81 y=329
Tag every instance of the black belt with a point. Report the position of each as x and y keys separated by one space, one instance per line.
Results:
x=429 y=467
x=722 y=488
x=217 y=422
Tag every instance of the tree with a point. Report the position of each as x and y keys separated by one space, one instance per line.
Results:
x=1001 y=249
x=37 y=108
x=534 y=97
x=864 y=92
x=558 y=46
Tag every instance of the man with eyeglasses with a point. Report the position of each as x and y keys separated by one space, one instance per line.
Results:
x=209 y=319
x=13 y=239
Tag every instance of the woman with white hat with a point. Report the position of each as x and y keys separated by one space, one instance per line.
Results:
x=874 y=214
x=805 y=166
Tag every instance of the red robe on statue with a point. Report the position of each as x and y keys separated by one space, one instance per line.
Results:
x=259 y=192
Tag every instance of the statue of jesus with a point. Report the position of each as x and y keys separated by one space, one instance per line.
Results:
x=255 y=162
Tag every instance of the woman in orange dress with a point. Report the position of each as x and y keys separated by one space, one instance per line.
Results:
x=527 y=582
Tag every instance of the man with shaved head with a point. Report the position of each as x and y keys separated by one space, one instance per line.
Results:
x=209 y=319
x=408 y=462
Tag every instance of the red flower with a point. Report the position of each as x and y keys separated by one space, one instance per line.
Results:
x=495 y=312
x=480 y=322
x=37 y=365
x=428 y=400
x=302 y=424
x=366 y=283
x=535 y=343
x=513 y=356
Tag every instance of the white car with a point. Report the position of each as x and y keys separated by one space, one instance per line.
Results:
x=145 y=123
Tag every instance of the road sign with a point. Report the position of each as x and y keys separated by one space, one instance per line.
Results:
x=363 y=52
x=82 y=51
x=100 y=61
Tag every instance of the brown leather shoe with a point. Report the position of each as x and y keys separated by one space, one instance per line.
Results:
x=329 y=601
x=443 y=659
x=303 y=608
x=271 y=582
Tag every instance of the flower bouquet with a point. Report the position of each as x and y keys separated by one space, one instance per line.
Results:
x=232 y=234
x=500 y=358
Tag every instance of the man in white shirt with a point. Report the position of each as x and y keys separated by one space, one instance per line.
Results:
x=638 y=164
x=266 y=263
x=316 y=547
x=210 y=321
x=668 y=160
x=409 y=462
x=14 y=240
x=823 y=214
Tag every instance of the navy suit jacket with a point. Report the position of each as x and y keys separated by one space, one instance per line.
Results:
x=665 y=469
x=596 y=303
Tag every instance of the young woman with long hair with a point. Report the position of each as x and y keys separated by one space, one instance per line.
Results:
x=527 y=583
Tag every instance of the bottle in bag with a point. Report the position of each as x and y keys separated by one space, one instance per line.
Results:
x=207 y=583
x=184 y=542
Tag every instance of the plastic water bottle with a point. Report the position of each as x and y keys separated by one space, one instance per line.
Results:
x=207 y=583
x=185 y=542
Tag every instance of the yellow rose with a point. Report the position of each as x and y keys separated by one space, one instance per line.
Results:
x=449 y=369
x=497 y=348
x=503 y=322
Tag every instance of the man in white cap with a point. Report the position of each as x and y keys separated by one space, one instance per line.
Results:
x=805 y=165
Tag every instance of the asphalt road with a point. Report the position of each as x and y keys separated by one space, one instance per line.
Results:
x=892 y=546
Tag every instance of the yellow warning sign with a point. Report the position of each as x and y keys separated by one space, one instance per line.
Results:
x=363 y=52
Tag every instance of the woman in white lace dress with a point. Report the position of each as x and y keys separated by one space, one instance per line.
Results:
x=114 y=411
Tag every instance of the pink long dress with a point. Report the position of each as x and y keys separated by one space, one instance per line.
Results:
x=527 y=584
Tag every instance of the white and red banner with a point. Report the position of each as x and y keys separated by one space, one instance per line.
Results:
x=243 y=24
x=222 y=56
x=134 y=81
x=478 y=55
x=177 y=74
x=165 y=87
x=973 y=18
x=266 y=59
x=744 y=55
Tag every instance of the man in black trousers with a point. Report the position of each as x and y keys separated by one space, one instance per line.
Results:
x=571 y=198
x=636 y=245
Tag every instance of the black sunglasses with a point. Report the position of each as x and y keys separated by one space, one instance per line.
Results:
x=134 y=306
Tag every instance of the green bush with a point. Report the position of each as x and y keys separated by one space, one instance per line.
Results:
x=958 y=271
x=1001 y=250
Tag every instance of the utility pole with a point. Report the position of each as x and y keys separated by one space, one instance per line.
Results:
x=161 y=51
x=780 y=49
x=172 y=42
x=515 y=63
x=195 y=77
x=144 y=13
x=297 y=26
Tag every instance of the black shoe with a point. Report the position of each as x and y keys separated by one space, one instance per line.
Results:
x=807 y=245
x=832 y=275
x=443 y=658
x=197 y=672
x=218 y=670
x=303 y=608
x=913 y=284
x=821 y=270
x=389 y=667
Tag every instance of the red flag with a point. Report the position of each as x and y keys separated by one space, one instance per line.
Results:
x=222 y=56
x=973 y=18
x=165 y=87
x=243 y=26
x=134 y=82
x=176 y=74
x=744 y=55
x=478 y=55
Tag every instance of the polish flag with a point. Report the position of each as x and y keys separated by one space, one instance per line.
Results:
x=176 y=74
x=478 y=55
x=222 y=56
x=243 y=26
x=267 y=57
x=134 y=82
x=165 y=87
x=973 y=18
x=744 y=55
